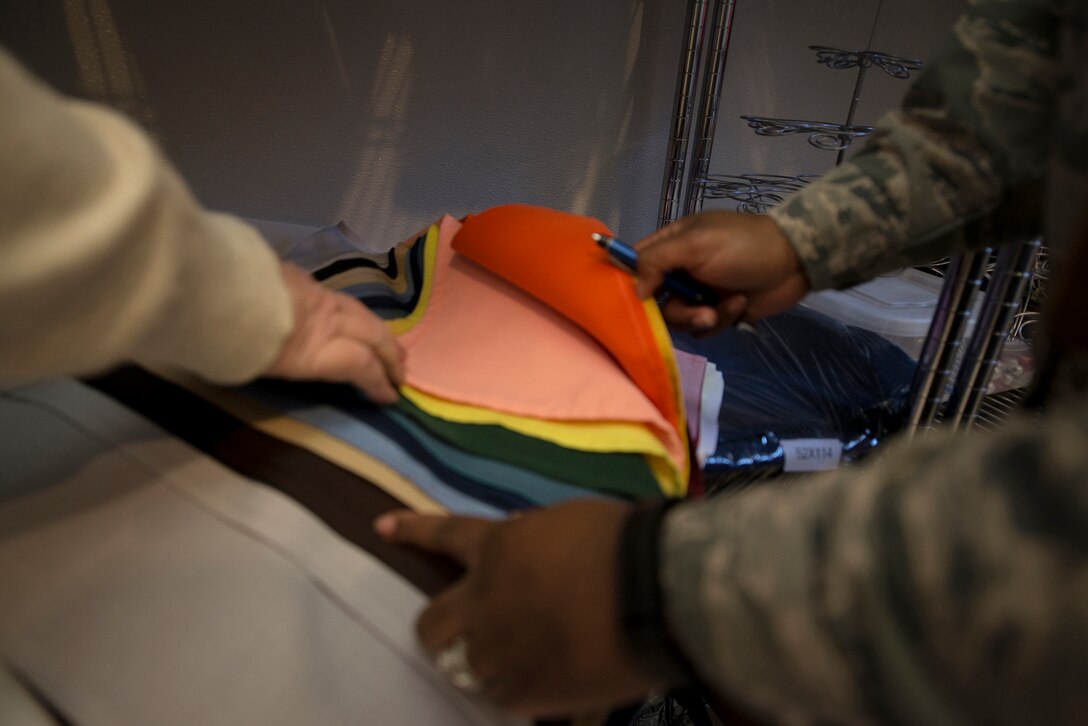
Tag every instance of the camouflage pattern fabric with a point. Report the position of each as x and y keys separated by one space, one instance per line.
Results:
x=946 y=583
x=978 y=119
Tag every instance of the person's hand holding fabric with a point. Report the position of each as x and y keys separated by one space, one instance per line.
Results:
x=106 y=257
x=336 y=338
x=537 y=607
x=744 y=256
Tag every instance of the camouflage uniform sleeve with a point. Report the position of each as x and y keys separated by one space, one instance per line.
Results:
x=945 y=584
x=976 y=120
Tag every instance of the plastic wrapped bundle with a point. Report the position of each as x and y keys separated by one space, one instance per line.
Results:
x=803 y=392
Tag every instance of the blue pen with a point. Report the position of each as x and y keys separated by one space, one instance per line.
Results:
x=677 y=282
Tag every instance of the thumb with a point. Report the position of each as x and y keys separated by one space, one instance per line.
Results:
x=651 y=271
x=670 y=253
x=458 y=538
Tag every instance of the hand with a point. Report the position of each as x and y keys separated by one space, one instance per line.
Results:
x=336 y=339
x=744 y=256
x=538 y=605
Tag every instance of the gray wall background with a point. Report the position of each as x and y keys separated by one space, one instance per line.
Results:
x=389 y=113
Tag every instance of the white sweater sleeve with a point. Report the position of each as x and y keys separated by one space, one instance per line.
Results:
x=105 y=256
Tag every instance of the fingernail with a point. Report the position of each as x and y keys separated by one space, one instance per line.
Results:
x=386 y=525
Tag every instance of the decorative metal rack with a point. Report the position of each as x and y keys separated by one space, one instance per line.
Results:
x=1010 y=269
x=754 y=193
x=823 y=135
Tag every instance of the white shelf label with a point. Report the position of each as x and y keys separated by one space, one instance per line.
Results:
x=812 y=454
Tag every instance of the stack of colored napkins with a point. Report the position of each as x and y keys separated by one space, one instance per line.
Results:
x=534 y=373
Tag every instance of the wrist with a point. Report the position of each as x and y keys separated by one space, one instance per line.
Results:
x=644 y=633
x=780 y=245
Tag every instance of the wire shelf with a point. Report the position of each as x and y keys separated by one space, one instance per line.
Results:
x=825 y=135
x=841 y=59
x=754 y=193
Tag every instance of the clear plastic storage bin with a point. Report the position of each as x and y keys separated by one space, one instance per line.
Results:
x=897 y=307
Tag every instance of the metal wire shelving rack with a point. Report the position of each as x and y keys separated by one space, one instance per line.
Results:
x=1007 y=266
x=688 y=182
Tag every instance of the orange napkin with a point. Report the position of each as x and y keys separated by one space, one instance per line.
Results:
x=552 y=256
